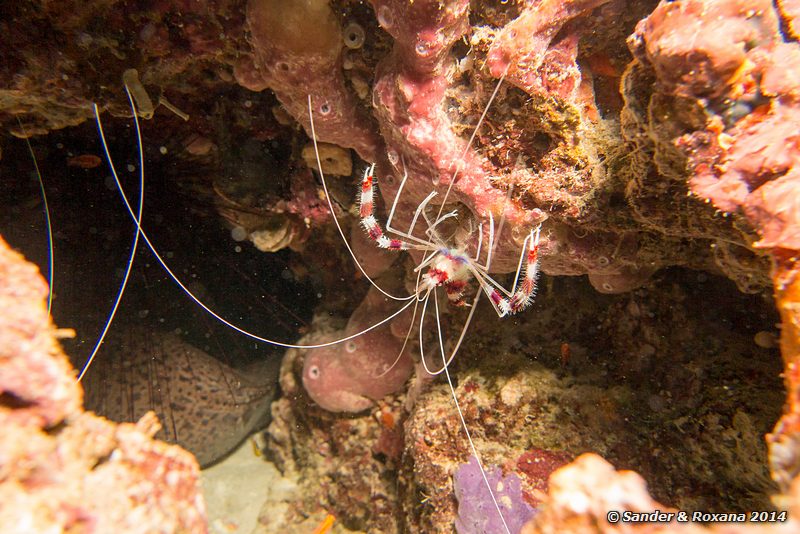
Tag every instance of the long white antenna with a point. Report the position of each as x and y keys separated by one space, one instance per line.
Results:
x=461 y=415
x=50 y=252
x=336 y=219
x=138 y=220
x=471 y=139
x=211 y=312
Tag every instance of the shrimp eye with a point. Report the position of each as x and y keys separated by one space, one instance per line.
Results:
x=313 y=372
x=350 y=347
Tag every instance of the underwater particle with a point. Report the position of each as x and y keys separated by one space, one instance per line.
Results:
x=163 y=150
x=144 y=106
x=335 y=159
x=84 y=161
x=238 y=233
x=353 y=36
x=130 y=167
x=766 y=340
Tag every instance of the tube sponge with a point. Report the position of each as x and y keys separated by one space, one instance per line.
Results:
x=300 y=27
x=144 y=106
x=297 y=52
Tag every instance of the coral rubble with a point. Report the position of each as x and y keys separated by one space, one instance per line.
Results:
x=583 y=493
x=64 y=469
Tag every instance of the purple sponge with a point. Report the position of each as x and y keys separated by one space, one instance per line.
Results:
x=476 y=510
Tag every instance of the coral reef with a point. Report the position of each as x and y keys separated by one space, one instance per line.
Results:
x=677 y=391
x=559 y=142
x=729 y=79
x=584 y=492
x=656 y=143
x=64 y=469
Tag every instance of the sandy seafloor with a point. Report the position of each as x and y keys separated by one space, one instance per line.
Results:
x=245 y=486
x=236 y=488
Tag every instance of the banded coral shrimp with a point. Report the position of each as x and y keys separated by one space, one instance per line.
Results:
x=432 y=256
x=450 y=268
x=447 y=263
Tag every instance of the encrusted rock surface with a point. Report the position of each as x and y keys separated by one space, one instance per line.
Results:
x=578 y=134
x=670 y=392
x=63 y=469
x=583 y=493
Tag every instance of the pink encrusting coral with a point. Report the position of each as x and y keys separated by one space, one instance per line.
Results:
x=747 y=154
x=541 y=152
x=350 y=376
x=409 y=95
x=296 y=53
x=522 y=47
x=66 y=470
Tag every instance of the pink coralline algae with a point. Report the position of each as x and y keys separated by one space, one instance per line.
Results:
x=409 y=95
x=296 y=53
x=66 y=470
x=523 y=46
x=731 y=57
x=350 y=376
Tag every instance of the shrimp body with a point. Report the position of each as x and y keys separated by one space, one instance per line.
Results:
x=449 y=270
